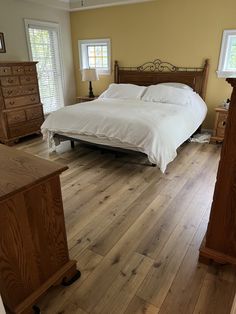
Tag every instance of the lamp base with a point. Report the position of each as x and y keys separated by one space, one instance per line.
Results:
x=91 y=95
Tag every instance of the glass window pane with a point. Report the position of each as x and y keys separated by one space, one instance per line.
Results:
x=231 y=55
x=91 y=51
x=99 y=62
x=95 y=54
x=44 y=45
x=104 y=50
x=98 y=50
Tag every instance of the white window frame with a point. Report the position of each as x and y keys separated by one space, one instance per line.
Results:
x=222 y=72
x=83 y=57
x=56 y=27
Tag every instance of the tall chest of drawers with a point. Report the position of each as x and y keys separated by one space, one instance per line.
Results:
x=21 y=111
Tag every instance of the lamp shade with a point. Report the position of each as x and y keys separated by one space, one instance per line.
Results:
x=89 y=75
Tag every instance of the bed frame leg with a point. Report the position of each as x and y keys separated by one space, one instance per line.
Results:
x=153 y=165
x=72 y=144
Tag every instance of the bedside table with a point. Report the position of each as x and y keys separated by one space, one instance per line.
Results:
x=220 y=124
x=85 y=98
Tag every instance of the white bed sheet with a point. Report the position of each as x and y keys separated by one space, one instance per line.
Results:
x=156 y=129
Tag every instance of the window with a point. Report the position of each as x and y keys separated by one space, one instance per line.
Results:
x=95 y=53
x=44 y=47
x=227 y=63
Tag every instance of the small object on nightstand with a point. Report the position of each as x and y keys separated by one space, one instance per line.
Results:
x=226 y=104
x=90 y=75
x=220 y=124
x=85 y=98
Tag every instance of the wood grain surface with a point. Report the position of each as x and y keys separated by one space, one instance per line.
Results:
x=20 y=170
x=136 y=233
x=33 y=245
x=220 y=242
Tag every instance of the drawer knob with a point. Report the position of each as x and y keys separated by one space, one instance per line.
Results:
x=224 y=123
x=10 y=81
x=9 y=92
x=11 y=102
x=27 y=79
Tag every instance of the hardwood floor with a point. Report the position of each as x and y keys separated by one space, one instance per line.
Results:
x=136 y=233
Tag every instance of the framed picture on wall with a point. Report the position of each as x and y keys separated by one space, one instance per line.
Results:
x=2 y=43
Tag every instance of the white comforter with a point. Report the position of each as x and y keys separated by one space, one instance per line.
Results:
x=156 y=129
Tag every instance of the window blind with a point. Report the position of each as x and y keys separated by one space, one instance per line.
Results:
x=44 y=49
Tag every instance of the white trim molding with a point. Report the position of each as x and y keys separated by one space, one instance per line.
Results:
x=96 y=4
x=80 y=5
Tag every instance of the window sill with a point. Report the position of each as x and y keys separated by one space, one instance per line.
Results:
x=225 y=74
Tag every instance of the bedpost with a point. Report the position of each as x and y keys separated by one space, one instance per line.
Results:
x=205 y=77
x=116 y=72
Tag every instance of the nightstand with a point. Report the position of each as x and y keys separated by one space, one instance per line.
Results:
x=85 y=98
x=220 y=124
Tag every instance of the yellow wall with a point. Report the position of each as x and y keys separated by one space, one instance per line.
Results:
x=183 y=32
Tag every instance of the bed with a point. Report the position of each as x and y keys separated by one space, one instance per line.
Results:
x=144 y=124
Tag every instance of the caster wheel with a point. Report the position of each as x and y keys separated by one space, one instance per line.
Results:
x=72 y=280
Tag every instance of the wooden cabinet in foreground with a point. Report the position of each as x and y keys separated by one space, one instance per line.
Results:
x=220 y=241
x=33 y=248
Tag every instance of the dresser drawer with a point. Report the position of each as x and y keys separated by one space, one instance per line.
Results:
x=21 y=101
x=29 y=79
x=19 y=90
x=15 y=117
x=5 y=71
x=26 y=128
x=30 y=69
x=8 y=81
x=34 y=112
x=18 y=69
x=222 y=120
x=220 y=132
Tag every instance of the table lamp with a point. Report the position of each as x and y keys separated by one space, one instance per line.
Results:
x=90 y=75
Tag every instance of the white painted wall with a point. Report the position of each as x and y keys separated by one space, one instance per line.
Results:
x=12 y=14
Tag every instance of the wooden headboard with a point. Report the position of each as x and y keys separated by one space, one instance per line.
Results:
x=162 y=72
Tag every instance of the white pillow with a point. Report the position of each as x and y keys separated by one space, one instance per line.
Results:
x=177 y=85
x=167 y=94
x=123 y=91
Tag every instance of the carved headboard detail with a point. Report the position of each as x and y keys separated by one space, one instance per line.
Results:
x=158 y=71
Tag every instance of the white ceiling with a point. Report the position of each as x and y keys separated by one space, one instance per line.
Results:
x=76 y=5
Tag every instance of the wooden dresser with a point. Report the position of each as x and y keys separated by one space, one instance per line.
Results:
x=33 y=245
x=21 y=111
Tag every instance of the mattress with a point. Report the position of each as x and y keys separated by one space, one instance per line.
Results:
x=156 y=129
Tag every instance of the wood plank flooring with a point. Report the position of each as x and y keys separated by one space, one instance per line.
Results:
x=135 y=233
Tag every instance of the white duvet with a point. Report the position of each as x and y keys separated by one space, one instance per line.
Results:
x=156 y=129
